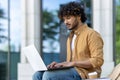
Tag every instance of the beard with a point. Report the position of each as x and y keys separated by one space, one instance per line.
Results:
x=74 y=25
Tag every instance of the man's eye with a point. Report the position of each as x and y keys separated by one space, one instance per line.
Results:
x=68 y=17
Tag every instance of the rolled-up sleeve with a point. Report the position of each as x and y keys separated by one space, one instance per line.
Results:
x=95 y=44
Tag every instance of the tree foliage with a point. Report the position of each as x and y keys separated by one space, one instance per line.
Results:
x=118 y=34
x=50 y=25
x=2 y=37
x=50 y=28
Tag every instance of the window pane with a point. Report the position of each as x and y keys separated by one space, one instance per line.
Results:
x=3 y=39
x=54 y=32
x=9 y=28
x=51 y=30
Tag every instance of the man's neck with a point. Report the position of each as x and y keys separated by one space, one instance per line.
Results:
x=79 y=25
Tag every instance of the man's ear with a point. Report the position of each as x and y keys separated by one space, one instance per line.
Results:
x=79 y=17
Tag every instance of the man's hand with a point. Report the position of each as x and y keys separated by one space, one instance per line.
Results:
x=62 y=64
x=65 y=64
x=52 y=65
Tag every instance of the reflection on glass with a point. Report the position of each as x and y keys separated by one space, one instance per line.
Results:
x=3 y=41
x=52 y=30
x=14 y=28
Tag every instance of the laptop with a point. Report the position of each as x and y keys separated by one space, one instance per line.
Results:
x=35 y=59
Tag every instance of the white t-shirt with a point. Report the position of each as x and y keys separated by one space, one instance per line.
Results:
x=73 y=41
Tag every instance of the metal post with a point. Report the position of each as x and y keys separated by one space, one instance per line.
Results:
x=8 y=57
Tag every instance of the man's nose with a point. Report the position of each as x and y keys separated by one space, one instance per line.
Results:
x=65 y=21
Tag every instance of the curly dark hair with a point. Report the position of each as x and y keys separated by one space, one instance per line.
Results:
x=72 y=8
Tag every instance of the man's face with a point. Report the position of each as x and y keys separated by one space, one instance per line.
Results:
x=71 y=22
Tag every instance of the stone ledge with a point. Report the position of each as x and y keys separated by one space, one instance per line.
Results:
x=25 y=71
x=107 y=68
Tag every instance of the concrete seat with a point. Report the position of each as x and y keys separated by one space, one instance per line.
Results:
x=114 y=75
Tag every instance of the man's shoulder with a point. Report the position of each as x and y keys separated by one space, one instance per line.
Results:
x=91 y=31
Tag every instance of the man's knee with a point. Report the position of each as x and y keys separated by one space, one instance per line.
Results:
x=37 y=76
x=49 y=76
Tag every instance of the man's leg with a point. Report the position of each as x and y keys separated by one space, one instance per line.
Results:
x=38 y=75
x=66 y=74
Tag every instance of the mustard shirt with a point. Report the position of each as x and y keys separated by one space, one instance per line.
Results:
x=88 y=45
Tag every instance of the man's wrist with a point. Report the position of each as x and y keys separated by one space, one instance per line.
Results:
x=74 y=63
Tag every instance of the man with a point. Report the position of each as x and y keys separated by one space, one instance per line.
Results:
x=84 y=47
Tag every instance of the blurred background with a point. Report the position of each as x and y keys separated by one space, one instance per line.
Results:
x=35 y=21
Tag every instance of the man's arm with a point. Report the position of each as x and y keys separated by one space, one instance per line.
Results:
x=82 y=64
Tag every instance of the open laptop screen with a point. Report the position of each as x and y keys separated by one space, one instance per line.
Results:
x=35 y=59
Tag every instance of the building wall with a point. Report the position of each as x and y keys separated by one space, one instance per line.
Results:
x=102 y=22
